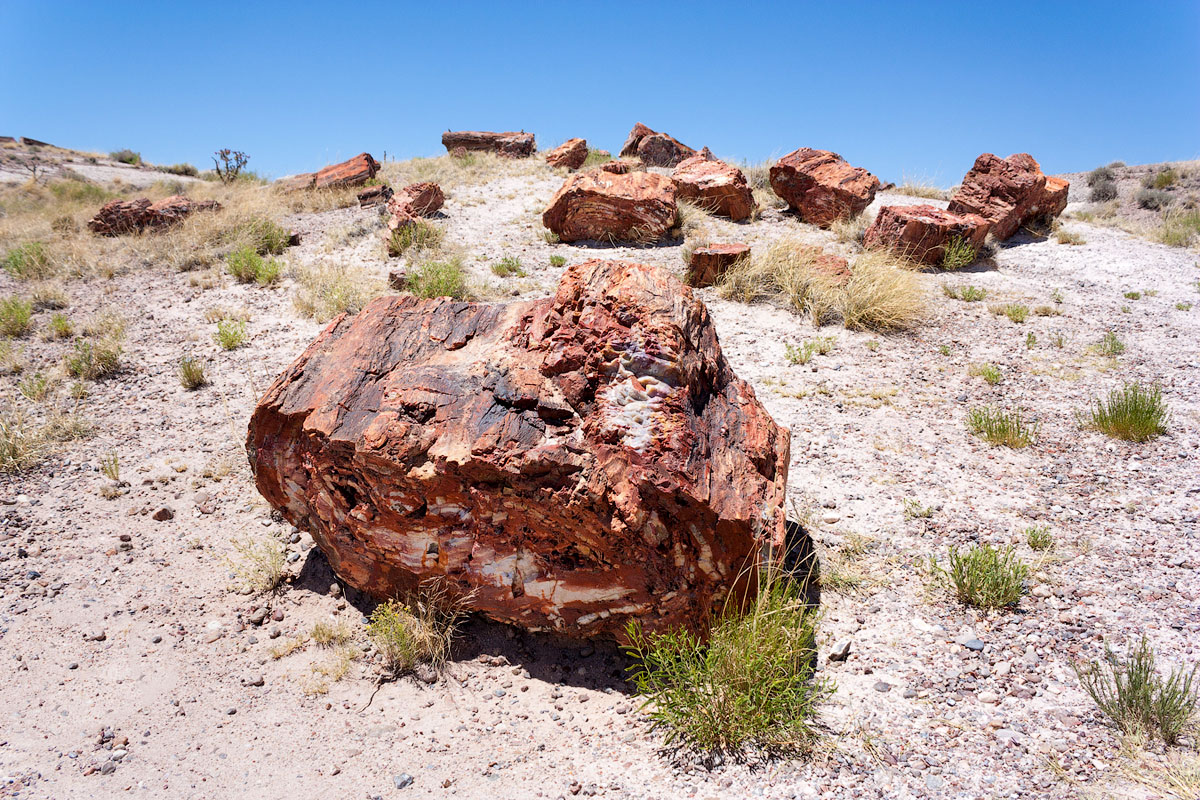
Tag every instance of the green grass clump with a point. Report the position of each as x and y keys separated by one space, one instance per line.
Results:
x=415 y=237
x=968 y=294
x=265 y=236
x=191 y=373
x=958 y=254
x=1164 y=178
x=999 y=427
x=986 y=577
x=29 y=261
x=1139 y=701
x=439 y=279
x=751 y=684
x=802 y=354
x=1133 y=412
x=181 y=169
x=595 y=158
x=126 y=156
x=327 y=634
x=1179 y=227
x=508 y=267
x=989 y=372
x=1184 y=306
x=60 y=327
x=1109 y=345
x=558 y=261
x=230 y=334
x=1038 y=537
x=1133 y=295
x=247 y=266
x=1030 y=340
x=16 y=316
x=1016 y=312
x=419 y=629
x=914 y=510
x=91 y=360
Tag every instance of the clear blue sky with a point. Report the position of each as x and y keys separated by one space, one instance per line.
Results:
x=903 y=89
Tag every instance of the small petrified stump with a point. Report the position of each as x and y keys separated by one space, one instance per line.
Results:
x=118 y=217
x=1009 y=192
x=511 y=144
x=374 y=196
x=351 y=172
x=412 y=202
x=922 y=232
x=714 y=185
x=821 y=187
x=570 y=154
x=655 y=149
x=709 y=264
x=576 y=461
x=637 y=207
x=617 y=167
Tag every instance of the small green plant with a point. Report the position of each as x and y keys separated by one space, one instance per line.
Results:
x=1133 y=412
x=971 y=294
x=1179 y=227
x=1057 y=296
x=1165 y=178
x=752 y=682
x=439 y=279
x=258 y=564
x=1039 y=538
x=1100 y=175
x=20 y=447
x=230 y=333
x=16 y=316
x=1016 y=312
x=596 y=157
x=986 y=577
x=1030 y=341
x=36 y=387
x=414 y=237
x=110 y=465
x=1131 y=693
x=958 y=254
x=914 y=510
x=1133 y=295
x=191 y=373
x=550 y=237
x=1058 y=340
x=90 y=360
x=989 y=372
x=999 y=427
x=508 y=267
x=1184 y=306
x=558 y=261
x=802 y=354
x=872 y=345
x=264 y=235
x=60 y=327
x=247 y=266
x=944 y=349
x=1109 y=345
x=327 y=634
x=30 y=261
x=418 y=630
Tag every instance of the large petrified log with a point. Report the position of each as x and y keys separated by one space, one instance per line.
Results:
x=922 y=232
x=570 y=154
x=351 y=172
x=714 y=185
x=577 y=461
x=821 y=186
x=1009 y=192
x=117 y=217
x=601 y=205
x=512 y=144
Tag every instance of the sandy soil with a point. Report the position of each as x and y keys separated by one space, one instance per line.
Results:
x=135 y=669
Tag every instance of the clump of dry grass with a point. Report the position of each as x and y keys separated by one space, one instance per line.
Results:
x=852 y=229
x=258 y=564
x=920 y=187
x=449 y=172
x=418 y=630
x=882 y=293
x=327 y=289
x=20 y=445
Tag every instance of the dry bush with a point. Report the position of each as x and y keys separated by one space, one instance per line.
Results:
x=327 y=289
x=316 y=200
x=920 y=187
x=784 y=272
x=883 y=293
x=419 y=629
x=473 y=169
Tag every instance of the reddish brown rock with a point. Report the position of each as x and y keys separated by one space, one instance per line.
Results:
x=575 y=462
x=459 y=152
x=637 y=207
x=374 y=196
x=635 y=137
x=922 y=232
x=117 y=217
x=836 y=268
x=352 y=172
x=413 y=201
x=1008 y=193
x=511 y=144
x=714 y=185
x=661 y=150
x=570 y=154
x=709 y=264
x=821 y=187
x=617 y=167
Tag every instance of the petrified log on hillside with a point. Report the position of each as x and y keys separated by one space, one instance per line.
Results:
x=714 y=185
x=570 y=154
x=922 y=232
x=351 y=172
x=821 y=187
x=606 y=206
x=512 y=144
x=1009 y=192
x=117 y=217
x=578 y=461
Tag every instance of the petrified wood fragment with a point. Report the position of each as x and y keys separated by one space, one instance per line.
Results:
x=511 y=144
x=577 y=461
x=1009 y=192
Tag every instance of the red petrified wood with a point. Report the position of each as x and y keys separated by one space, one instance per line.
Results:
x=1009 y=192
x=595 y=204
x=352 y=172
x=511 y=144
x=709 y=264
x=576 y=461
x=570 y=154
x=374 y=195
x=655 y=149
x=821 y=186
x=133 y=216
x=922 y=232
x=413 y=201
x=714 y=185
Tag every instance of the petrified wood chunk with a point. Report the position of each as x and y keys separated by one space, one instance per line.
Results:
x=133 y=216
x=570 y=154
x=709 y=264
x=351 y=172
x=1009 y=192
x=821 y=186
x=512 y=144
x=714 y=185
x=922 y=232
x=374 y=195
x=601 y=205
x=578 y=461
x=415 y=200
x=635 y=137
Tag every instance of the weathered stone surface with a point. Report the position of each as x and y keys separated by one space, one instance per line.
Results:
x=132 y=216
x=570 y=154
x=922 y=232
x=374 y=196
x=635 y=137
x=511 y=144
x=1008 y=193
x=719 y=187
x=617 y=167
x=709 y=264
x=821 y=186
x=351 y=172
x=661 y=150
x=576 y=461
x=413 y=201
x=595 y=204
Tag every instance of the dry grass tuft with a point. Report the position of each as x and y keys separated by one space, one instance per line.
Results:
x=327 y=289
x=449 y=172
x=419 y=629
x=882 y=294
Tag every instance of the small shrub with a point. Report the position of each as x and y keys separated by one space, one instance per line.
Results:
x=327 y=289
x=508 y=267
x=419 y=236
x=36 y=387
x=1183 y=306
x=419 y=630
x=247 y=266
x=228 y=164
x=751 y=684
x=1039 y=538
x=15 y=316
x=1016 y=312
x=1133 y=413
x=126 y=156
x=182 y=169
x=90 y=360
x=1133 y=295
x=1058 y=340
x=1109 y=345
x=191 y=373
x=1047 y=311
x=60 y=327
x=958 y=254
x=20 y=447
x=1153 y=199
x=230 y=333
x=1131 y=693
x=988 y=372
x=1103 y=191
x=439 y=279
x=1164 y=178
x=802 y=354
x=944 y=349
x=558 y=261
x=258 y=564
x=1100 y=175
x=110 y=466
x=1179 y=227
x=998 y=427
x=30 y=261
x=327 y=634
x=265 y=236
x=987 y=577
x=914 y=510
x=1057 y=296
x=1064 y=236
x=1030 y=340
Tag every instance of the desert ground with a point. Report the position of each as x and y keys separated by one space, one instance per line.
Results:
x=139 y=665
